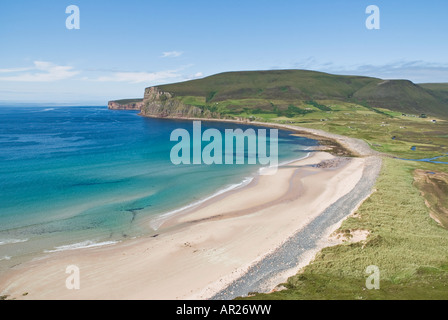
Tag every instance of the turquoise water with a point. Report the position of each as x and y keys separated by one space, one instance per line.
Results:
x=84 y=176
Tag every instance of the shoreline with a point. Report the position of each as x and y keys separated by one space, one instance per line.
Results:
x=268 y=274
x=181 y=226
x=156 y=223
x=351 y=146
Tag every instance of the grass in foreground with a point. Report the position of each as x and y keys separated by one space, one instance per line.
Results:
x=410 y=248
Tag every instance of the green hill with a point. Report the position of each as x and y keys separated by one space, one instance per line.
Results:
x=276 y=84
x=440 y=90
x=403 y=96
x=262 y=89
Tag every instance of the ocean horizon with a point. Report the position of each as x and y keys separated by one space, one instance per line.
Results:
x=77 y=177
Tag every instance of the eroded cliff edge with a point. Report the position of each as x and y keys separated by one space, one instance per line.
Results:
x=160 y=104
x=129 y=104
x=157 y=103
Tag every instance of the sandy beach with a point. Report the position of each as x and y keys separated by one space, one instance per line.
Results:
x=200 y=252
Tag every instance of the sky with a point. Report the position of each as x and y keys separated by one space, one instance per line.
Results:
x=122 y=47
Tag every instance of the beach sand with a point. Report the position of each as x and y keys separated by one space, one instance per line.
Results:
x=198 y=252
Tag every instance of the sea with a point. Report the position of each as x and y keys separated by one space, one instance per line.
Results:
x=80 y=177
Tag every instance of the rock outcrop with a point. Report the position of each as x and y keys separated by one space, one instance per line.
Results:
x=117 y=105
x=160 y=104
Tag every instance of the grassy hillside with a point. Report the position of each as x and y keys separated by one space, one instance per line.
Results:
x=276 y=84
x=403 y=96
x=234 y=93
x=439 y=90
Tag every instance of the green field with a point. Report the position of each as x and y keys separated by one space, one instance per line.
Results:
x=389 y=132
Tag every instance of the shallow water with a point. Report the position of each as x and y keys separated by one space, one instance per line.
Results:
x=73 y=177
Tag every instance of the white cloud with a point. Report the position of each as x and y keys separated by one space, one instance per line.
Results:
x=42 y=71
x=172 y=54
x=417 y=71
x=139 y=77
x=193 y=76
x=14 y=70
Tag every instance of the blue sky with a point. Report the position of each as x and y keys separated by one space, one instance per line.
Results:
x=124 y=46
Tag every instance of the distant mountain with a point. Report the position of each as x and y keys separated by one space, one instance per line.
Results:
x=194 y=98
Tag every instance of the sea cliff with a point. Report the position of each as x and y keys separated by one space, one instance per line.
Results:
x=161 y=104
x=133 y=104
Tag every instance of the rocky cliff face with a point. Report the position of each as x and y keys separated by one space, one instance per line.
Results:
x=160 y=104
x=116 y=105
x=157 y=103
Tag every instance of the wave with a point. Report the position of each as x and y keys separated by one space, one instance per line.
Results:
x=284 y=163
x=157 y=222
x=297 y=159
x=5 y=258
x=43 y=110
x=12 y=241
x=81 y=245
